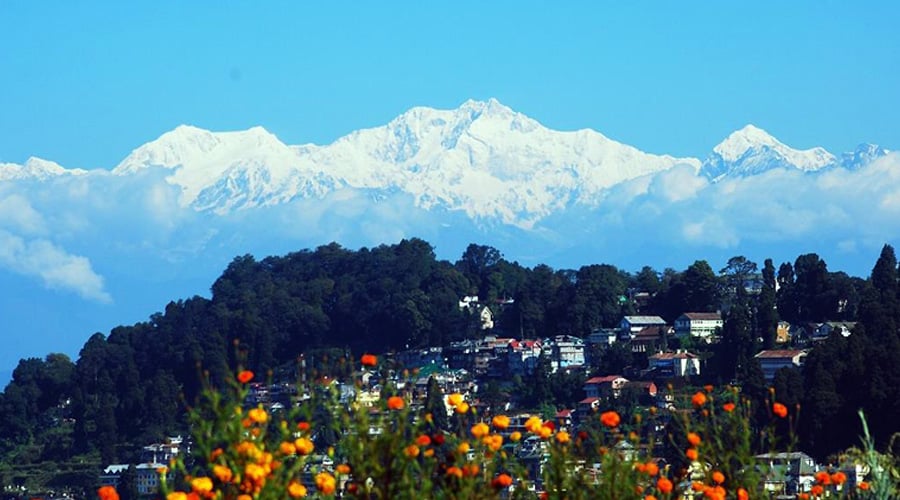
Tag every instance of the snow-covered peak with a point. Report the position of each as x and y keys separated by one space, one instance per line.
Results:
x=862 y=156
x=751 y=150
x=739 y=141
x=36 y=168
x=201 y=158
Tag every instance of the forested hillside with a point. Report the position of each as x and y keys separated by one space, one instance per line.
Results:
x=131 y=386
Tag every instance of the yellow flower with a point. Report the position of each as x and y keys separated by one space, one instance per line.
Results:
x=463 y=448
x=258 y=415
x=202 y=485
x=533 y=425
x=480 y=430
x=296 y=490
x=342 y=469
x=411 y=451
x=177 y=495
x=325 y=483
x=454 y=399
x=222 y=473
x=462 y=408
x=545 y=432
x=562 y=437
x=304 y=446
x=500 y=422
x=287 y=448
x=494 y=442
x=515 y=436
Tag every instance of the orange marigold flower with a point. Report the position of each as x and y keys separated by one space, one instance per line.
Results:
x=502 y=481
x=423 y=440
x=699 y=399
x=863 y=485
x=369 y=360
x=287 y=448
x=215 y=454
x=395 y=403
x=342 y=469
x=610 y=419
x=823 y=477
x=694 y=439
x=463 y=448
x=742 y=494
x=500 y=422
x=651 y=469
x=454 y=471
x=780 y=410
x=715 y=493
x=698 y=486
x=471 y=470
x=244 y=497
x=202 y=485
x=802 y=496
x=325 y=483
x=533 y=424
x=411 y=451
x=692 y=454
x=222 y=473
x=245 y=376
x=562 y=437
x=708 y=387
x=728 y=407
x=454 y=399
x=480 y=430
x=296 y=490
x=817 y=490
x=545 y=432
x=303 y=426
x=494 y=442
x=304 y=446
x=108 y=493
x=515 y=437
x=258 y=415
x=718 y=477
x=664 y=485
x=649 y=497
x=428 y=453
x=462 y=408
x=838 y=478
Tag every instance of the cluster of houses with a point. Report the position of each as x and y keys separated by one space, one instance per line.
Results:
x=152 y=458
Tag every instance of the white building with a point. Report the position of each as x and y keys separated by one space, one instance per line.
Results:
x=675 y=364
x=698 y=324
x=775 y=359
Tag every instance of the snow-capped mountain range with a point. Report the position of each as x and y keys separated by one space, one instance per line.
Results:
x=482 y=158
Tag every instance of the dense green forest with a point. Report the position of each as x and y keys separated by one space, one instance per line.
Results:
x=130 y=387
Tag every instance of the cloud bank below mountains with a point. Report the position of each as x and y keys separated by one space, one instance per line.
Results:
x=66 y=232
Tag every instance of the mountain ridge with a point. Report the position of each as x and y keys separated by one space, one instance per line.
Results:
x=482 y=158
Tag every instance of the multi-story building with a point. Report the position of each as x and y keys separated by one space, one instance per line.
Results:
x=698 y=324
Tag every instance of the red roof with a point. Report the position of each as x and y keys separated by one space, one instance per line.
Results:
x=564 y=414
x=779 y=353
x=602 y=380
x=703 y=316
x=587 y=401
x=674 y=355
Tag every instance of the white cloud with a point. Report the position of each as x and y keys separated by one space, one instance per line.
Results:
x=57 y=268
x=17 y=213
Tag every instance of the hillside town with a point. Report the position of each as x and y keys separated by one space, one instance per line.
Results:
x=663 y=367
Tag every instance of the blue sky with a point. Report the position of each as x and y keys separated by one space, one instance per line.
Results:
x=84 y=83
